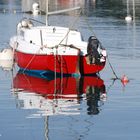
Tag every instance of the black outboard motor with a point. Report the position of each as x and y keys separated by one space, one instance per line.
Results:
x=92 y=50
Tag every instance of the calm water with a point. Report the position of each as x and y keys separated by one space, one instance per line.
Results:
x=74 y=112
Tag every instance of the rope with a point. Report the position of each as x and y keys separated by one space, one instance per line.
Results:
x=51 y=47
x=55 y=72
x=61 y=66
x=89 y=26
x=33 y=20
x=29 y=62
x=71 y=27
x=116 y=77
x=91 y=29
x=61 y=82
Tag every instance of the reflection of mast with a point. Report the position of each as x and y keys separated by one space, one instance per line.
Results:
x=134 y=27
x=46 y=128
x=128 y=13
x=133 y=32
x=134 y=11
x=128 y=18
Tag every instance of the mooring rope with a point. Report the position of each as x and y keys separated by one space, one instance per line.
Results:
x=116 y=77
x=91 y=30
x=71 y=27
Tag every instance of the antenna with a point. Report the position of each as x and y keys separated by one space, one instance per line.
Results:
x=46 y=12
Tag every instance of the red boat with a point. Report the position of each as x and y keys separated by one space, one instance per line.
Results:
x=56 y=49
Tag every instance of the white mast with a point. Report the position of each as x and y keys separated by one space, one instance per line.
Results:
x=46 y=12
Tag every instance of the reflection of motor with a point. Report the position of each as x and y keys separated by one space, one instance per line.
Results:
x=92 y=50
x=93 y=97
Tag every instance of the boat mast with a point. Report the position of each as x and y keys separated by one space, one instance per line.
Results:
x=46 y=12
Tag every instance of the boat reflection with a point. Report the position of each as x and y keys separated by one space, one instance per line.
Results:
x=59 y=96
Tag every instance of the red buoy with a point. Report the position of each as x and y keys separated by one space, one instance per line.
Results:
x=124 y=79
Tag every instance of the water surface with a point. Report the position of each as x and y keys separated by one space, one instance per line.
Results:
x=33 y=108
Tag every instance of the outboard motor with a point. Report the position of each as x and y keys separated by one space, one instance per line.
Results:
x=92 y=50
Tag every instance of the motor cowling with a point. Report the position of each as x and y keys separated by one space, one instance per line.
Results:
x=92 y=50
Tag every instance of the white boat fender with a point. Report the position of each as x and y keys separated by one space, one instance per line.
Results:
x=6 y=54
x=6 y=64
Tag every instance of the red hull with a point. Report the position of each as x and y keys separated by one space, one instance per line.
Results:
x=61 y=64
x=68 y=87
